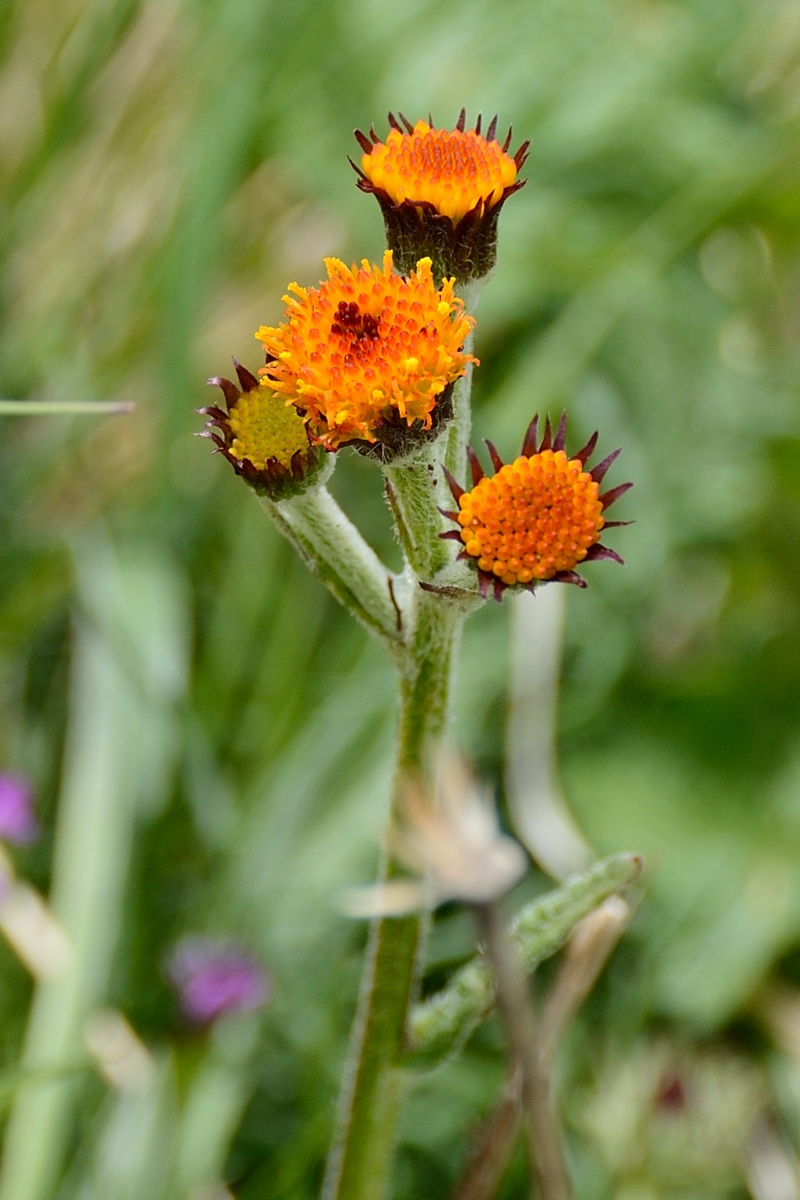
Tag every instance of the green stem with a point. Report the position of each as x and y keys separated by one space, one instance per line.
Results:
x=461 y=426
x=417 y=486
x=334 y=551
x=417 y=490
x=426 y=684
x=360 y=1161
x=455 y=457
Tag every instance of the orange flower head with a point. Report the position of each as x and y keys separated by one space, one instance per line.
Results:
x=441 y=191
x=369 y=357
x=454 y=171
x=536 y=518
x=266 y=442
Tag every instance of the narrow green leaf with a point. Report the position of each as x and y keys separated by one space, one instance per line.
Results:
x=66 y=408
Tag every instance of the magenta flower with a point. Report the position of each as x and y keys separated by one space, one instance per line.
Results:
x=17 y=820
x=215 y=977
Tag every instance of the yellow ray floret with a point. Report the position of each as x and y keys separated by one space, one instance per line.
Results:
x=365 y=348
x=536 y=517
x=452 y=170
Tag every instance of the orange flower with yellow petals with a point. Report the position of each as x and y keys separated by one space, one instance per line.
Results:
x=369 y=358
x=536 y=518
x=441 y=191
x=265 y=442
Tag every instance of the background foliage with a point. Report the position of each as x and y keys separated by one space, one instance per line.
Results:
x=167 y=167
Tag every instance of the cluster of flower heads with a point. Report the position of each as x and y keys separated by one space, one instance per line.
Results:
x=371 y=357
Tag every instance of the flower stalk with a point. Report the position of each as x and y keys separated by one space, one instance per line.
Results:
x=360 y=1160
x=460 y=429
x=379 y=359
x=334 y=551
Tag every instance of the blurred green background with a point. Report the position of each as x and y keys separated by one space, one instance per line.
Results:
x=167 y=167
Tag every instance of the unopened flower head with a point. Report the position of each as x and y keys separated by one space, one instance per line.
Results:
x=216 y=977
x=536 y=518
x=18 y=822
x=369 y=357
x=266 y=442
x=441 y=191
x=454 y=844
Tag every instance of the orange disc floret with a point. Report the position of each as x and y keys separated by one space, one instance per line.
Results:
x=536 y=518
x=456 y=171
x=367 y=351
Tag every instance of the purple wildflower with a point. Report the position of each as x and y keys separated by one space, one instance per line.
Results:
x=215 y=977
x=17 y=820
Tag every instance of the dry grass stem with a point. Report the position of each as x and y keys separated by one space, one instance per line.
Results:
x=588 y=950
x=516 y=1015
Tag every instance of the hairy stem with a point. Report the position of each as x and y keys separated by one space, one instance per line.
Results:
x=360 y=1161
x=334 y=551
x=425 y=650
x=461 y=426
x=417 y=490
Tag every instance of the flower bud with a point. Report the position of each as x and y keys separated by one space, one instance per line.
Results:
x=263 y=438
x=441 y=192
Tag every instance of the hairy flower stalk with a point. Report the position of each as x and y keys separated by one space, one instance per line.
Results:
x=379 y=359
x=362 y=1151
x=334 y=551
